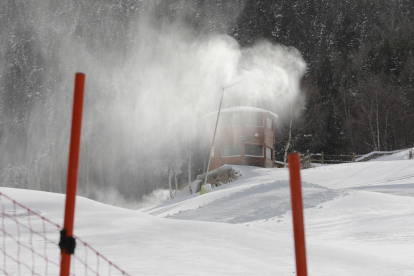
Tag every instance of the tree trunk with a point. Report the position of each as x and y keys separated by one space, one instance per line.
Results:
x=205 y=164
x=175 y=181
x=170 y=172
x=385 y=138
x=369 y=116
x=378 y=128
x=189 y=168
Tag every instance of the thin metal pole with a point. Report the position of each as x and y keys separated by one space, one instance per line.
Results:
x=215 y=129
x=214 y=136
x=73 y=167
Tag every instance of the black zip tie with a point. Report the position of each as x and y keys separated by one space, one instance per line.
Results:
x=67 y=243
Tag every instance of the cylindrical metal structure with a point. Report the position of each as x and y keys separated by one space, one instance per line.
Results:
x=297 y=214
x=214 y=136
x=73 y=165
x=215 y=128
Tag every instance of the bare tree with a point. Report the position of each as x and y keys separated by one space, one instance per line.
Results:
x=176 y=182
x=170 y=174
x=189 y=167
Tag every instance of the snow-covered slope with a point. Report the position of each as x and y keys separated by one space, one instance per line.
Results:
x=359 y=217
x=376 y=176
x=145 y=245
x=359 y=221
x=401 y=155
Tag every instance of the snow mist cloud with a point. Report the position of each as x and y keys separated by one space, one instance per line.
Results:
x=150 y=78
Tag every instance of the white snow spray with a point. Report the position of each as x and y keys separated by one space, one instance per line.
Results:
x=150 y=78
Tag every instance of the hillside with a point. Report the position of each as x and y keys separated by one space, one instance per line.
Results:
x=359 y=221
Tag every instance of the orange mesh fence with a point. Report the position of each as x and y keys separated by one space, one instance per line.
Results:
x=88 y=261
x=29 y=245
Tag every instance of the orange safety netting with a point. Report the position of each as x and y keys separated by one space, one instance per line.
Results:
x=29 y=245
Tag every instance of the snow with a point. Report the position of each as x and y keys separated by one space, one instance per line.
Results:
x=145 y=245
x=399 y=155
x=386 y=155
x=359 y=220
x=363 y=157
x=242 y=108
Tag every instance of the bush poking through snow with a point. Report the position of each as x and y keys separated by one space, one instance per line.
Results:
x=205 y=189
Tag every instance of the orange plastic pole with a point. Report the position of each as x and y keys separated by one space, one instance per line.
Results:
x=73 y=167
x=297 y=214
